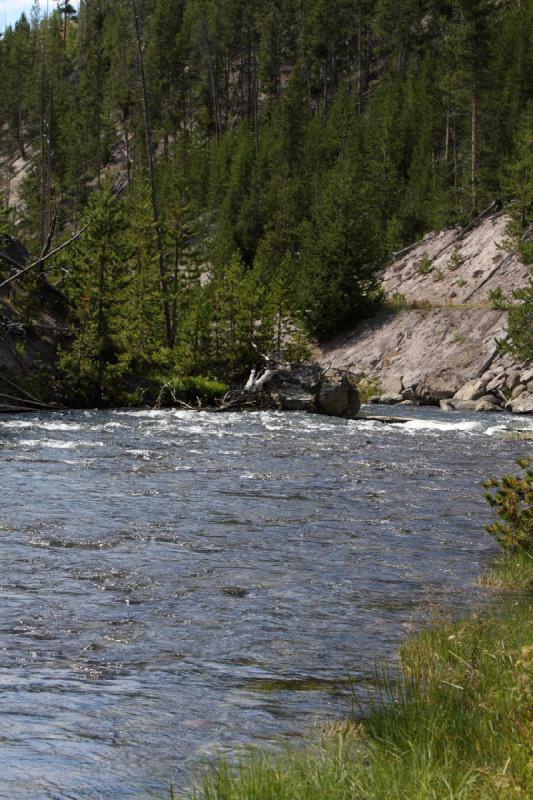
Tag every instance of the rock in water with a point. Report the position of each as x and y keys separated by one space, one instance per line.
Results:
x=290 y=398
x=391 y=399
x=338 y=398
x=522 y=404
x=471 y=391
x=305 y=387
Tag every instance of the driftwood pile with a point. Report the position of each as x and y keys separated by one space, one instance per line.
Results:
x=302 y=387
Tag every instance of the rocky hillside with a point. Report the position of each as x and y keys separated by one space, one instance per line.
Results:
x=436 y=340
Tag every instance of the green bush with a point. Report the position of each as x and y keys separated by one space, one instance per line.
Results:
x=192 y=388
x=425 y=265
x=455 y=260
x=512 y=499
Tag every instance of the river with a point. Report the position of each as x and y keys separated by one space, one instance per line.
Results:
x=173 y=583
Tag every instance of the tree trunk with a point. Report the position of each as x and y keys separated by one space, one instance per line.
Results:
x=474 y=151
x=151 y=171
x=447 y=139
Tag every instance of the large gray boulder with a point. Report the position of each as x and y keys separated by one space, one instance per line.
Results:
x=473 y=390
x=338 y=398
x=488 y=403
x=290 y=398
x=523 y=404
x=391 y=399
x=436 y=386
x=463 y=405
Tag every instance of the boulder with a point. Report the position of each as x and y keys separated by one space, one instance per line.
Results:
x=513 y=379
x=391 y=399
x=374 y=400
x=518 y=390
x=463 y=405
x=392 y=384
x=408 y=394
x=487 y=404
x=290 y=398
x=473 y=390
x=437 y=386
x=446 y=405
x=496 y=383
x=526 y=376
x=522 y=404
x=338 y=398
x=490 y=398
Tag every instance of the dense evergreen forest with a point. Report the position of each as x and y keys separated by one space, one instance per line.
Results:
x=233 y=174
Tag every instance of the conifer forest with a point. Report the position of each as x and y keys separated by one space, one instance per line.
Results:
x=231 y=176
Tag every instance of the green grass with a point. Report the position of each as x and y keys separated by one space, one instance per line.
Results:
x=510 y=570
x=457 y=726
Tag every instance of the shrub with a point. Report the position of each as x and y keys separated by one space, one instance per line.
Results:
x=369 y=387
x=455 y=260
x=424 y=266
x=519 y=341
x=194 y=387
x=397 y=302
x=512 y=499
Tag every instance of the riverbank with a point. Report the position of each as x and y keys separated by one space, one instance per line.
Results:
x=459 y=725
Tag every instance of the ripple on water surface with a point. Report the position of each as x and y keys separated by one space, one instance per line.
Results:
x=173 y=583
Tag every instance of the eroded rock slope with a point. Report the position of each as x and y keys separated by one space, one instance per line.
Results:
x=439 y=333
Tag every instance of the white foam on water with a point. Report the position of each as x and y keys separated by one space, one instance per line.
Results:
x=147 y=414
x=57 y=444
x=516 y=426
x=58 y=426
x=17 y=423
x=417 y=425
x=107 y=426
x=146 y=455
x=183 y=413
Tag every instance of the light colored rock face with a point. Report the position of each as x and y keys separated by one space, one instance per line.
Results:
x=460 y=270
x=512 y=379
x=391 y=399
x=448 y=336
x=487 y=404
x=471 y=391
x=523 y=404
x=518 y=390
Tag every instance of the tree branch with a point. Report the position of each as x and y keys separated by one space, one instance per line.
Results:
x=41 y=259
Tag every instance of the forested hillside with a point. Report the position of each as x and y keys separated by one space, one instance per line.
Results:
x=234 y=174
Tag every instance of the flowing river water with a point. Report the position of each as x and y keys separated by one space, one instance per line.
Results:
x=173 y=583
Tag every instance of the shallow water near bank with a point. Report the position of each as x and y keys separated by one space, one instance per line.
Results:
x=173 y=583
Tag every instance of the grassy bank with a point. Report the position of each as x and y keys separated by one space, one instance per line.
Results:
x=459 y=726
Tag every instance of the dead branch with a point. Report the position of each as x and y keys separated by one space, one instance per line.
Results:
x=42 y=259
x=35 y=404
x=50 y=237
x=20 y=390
